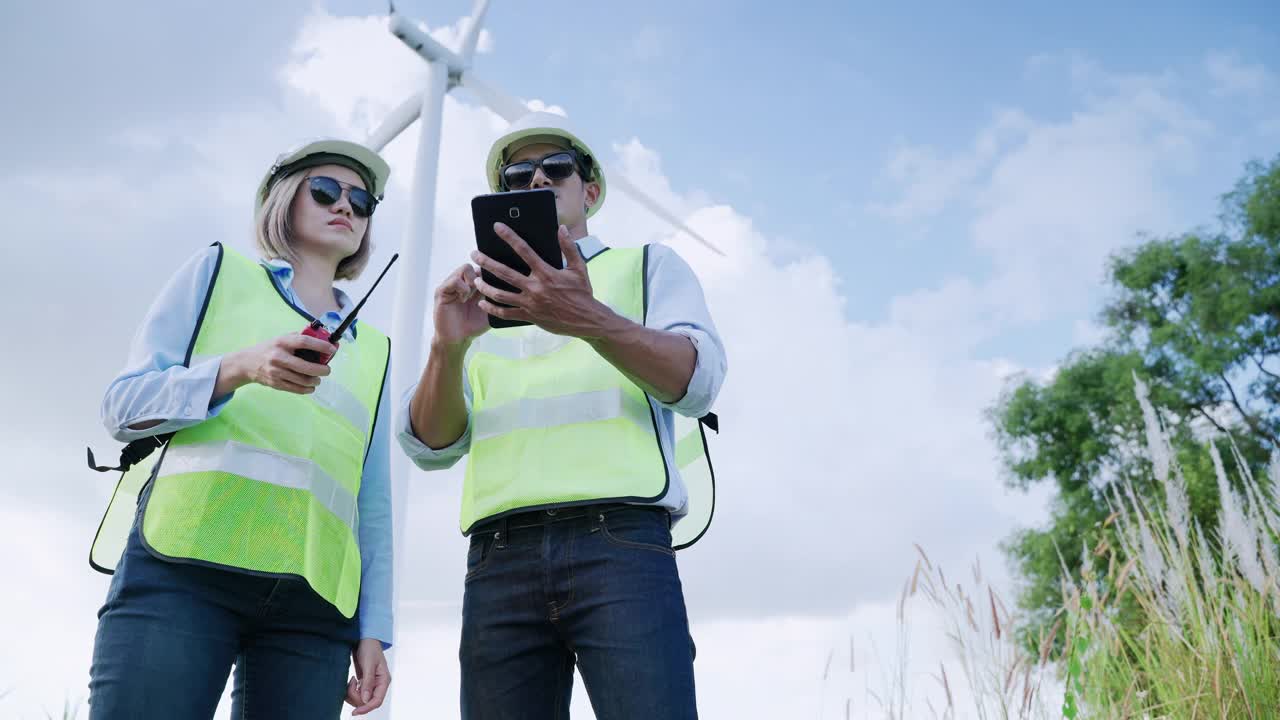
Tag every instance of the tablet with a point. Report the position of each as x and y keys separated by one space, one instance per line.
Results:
x=532 y=215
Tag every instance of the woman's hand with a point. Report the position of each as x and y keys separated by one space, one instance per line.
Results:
x=274 y=365
x=367 y=690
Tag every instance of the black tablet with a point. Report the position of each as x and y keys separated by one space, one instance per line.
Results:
x=532 y=215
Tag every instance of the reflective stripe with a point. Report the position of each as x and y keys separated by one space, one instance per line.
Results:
x=519 y=347
x=689 y=448
x=332 y=395
x=530 y=342
x=563 y=410
x=267 y=467
x=339 y=398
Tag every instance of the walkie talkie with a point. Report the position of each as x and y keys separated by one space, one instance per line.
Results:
x=317 y=330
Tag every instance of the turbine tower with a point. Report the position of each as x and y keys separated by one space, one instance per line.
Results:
x=446 y=69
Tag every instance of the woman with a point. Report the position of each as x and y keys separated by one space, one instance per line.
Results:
x=263 y=537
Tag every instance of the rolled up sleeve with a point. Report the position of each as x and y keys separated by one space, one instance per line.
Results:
x=156 y=385
x=677 y=304
x=423 y=456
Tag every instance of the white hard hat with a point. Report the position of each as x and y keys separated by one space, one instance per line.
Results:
x=542 y=127
x=366 y=163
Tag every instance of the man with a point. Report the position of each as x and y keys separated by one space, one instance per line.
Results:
x=572 y=485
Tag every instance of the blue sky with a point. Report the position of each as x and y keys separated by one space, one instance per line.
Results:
x=916 y=201
x=790 y=112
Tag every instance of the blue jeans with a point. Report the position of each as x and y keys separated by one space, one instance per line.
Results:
x=170 y=632
x=594 y=587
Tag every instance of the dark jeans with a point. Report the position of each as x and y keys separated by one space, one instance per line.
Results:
x=170 y=632
x=596 y=587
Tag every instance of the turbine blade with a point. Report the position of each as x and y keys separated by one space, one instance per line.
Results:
x=396 y=121
x=467 y=48
x=621 y=182
x=422 y=43
x=507 y=107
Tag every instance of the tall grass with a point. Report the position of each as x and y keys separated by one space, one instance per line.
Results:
x=997 y=677
x=988 y=675
x=1207 y=643
x=1177 y=622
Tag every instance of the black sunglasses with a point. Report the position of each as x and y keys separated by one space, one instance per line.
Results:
x=557 y=166
x=327 y=191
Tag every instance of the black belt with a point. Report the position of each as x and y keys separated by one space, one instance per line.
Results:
x=535 y=518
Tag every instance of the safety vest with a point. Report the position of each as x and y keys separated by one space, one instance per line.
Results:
x=554 y=424
x=268 y=485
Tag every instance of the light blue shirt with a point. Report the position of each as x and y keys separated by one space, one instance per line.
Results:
x=155 y=385
x=676 y=304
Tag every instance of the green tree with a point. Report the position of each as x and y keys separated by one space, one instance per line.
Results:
x=1197 y=316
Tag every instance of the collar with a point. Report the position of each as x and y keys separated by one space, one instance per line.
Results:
x=282 y=273
x=590 y=246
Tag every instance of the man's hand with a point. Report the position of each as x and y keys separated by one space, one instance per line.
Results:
x=458 y=317
x=438 y=410
x=367 y=690
x=558 y=301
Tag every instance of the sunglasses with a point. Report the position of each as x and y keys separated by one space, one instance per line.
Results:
x=557 y=166
x=327 y=191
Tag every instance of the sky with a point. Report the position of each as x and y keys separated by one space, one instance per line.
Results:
x=916 y=204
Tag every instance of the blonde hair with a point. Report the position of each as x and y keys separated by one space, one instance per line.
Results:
x=275 y=231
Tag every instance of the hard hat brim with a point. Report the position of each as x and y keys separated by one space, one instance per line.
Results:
x=497 y=155
x=378 y=168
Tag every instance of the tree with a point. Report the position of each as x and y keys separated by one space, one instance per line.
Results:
x=1197 y=316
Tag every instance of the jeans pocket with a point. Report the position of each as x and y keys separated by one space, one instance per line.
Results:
x=638 y=529
x=479 y=552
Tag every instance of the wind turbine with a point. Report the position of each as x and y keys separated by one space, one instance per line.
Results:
x=446 y=69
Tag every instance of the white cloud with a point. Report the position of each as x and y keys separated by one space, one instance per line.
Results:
x=1084 y=78
x=1071 y=193
x=1232 y=76
x=335 y=59
x=1050 y=199
x=931 y=182
x=536 y=105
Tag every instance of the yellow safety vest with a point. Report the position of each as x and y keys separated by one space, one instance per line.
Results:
x=269 y=485
x=553 y=424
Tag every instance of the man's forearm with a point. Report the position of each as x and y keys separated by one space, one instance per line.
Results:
x=438 y=409
x=659 y=361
